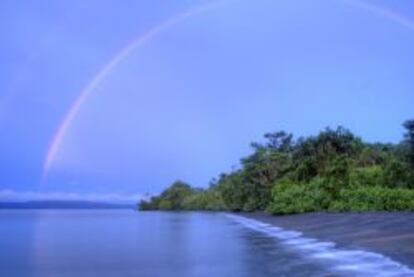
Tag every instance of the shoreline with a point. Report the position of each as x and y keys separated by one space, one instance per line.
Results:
x=387 y=233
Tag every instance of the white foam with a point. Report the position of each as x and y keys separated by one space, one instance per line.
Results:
x=300 y=241
x=357 y=262
x=317 y=246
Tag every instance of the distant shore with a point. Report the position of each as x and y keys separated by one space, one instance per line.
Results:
x=387 y=233
x=62 y=205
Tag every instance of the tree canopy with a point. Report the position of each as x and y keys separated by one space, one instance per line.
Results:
x=334 y=170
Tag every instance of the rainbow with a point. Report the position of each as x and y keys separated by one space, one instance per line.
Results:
x=107 y=69
x=382 y=12
x=149 y=35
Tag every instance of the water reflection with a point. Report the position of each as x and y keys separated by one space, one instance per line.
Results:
x=127 y=243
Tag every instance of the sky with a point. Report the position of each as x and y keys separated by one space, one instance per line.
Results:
x=114 y=99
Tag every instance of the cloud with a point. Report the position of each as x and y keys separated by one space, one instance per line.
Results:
x=21 y=196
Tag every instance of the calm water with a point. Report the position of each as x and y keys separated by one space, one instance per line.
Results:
x=128 y=243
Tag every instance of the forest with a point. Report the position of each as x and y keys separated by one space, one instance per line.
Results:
x=332 y=171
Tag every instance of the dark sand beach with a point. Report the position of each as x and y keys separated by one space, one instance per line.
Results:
x=390 y=234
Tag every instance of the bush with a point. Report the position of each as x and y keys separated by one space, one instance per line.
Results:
x=214 y=201
x=250 y=205
x=288 y=198
x=144 y=205
x=366 y=176
x=209 y=200
x=171 y=198
x=149 y=205
x=233 y=190
x=333 y=170
x=398 y=174
x=374 y=199
x=195 y=202
x=336 y=175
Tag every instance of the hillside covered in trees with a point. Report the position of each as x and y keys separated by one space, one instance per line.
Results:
x=332 y=171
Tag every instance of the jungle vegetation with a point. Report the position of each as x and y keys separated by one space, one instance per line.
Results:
x=331 y=171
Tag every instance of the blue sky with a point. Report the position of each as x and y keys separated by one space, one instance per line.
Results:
x=187 y=102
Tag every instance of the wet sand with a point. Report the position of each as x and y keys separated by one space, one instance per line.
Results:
x=390 y=234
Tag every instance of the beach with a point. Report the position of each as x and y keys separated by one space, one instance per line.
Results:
x=388 y=233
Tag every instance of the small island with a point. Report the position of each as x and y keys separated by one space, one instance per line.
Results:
x=332 y=171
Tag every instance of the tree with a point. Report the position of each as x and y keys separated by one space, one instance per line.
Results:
x=233 y=191
x=280 y=141
x=314 y=155
x=173 y=197
x=333 y=170
x=170 y=199
x=409 y=139
x=268 y=163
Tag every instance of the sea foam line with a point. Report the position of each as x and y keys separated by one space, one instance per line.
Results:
x=355 y=262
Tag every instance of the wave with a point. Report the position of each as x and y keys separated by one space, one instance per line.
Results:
x=355 y=262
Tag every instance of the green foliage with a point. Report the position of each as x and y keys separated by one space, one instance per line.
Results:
x=409 y=140
x=145 y=205
x=269 y=162
x=180 y=196
x=170 y=199
x=398 y=174
x=333 y=170
x=374 y=154
x=366 y=176
x=337 y=175
x=288 y=197
x=233 y=191
x=209 y=200
x=195 y=202
x=374 y=199
x=173 y=197
x=314 y=156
